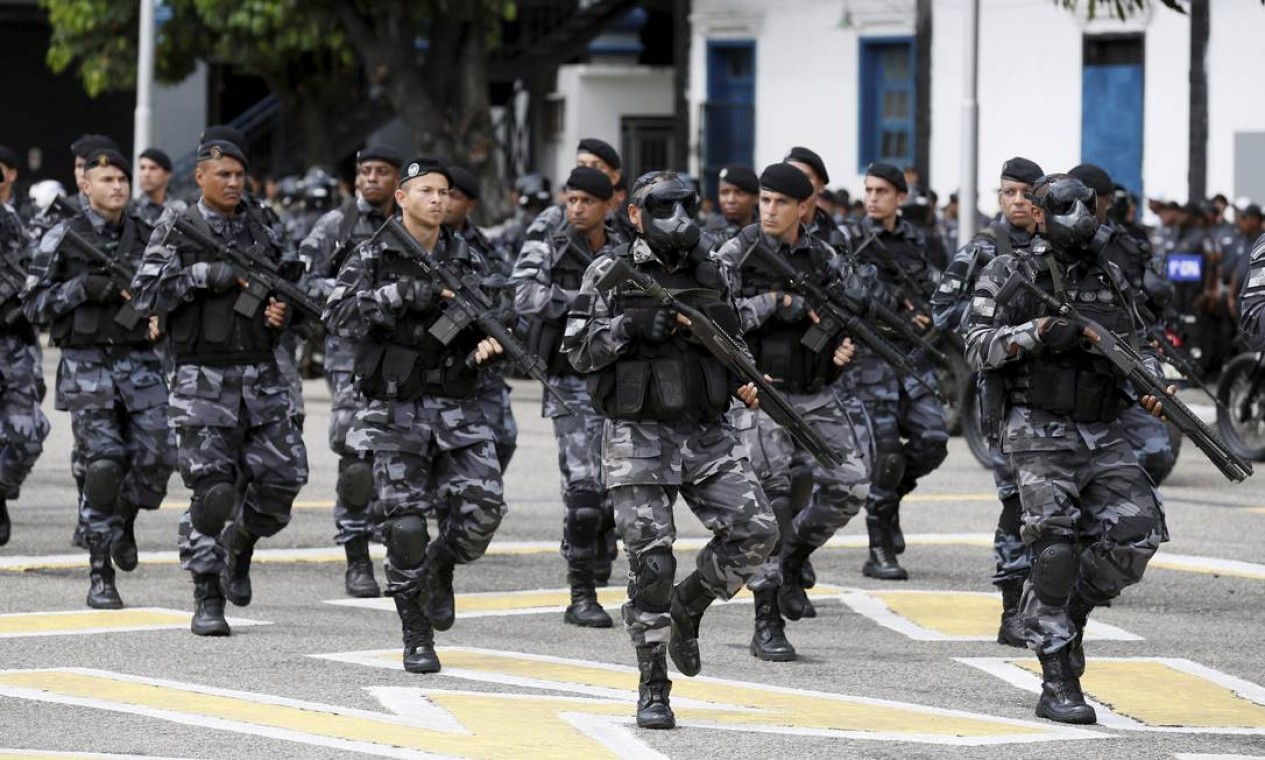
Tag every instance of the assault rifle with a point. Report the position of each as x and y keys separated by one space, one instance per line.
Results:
x=729 y=353
x=259 y=275
x=841 y=311
x=471 y=303
x=121 y=272
x=1173 y=355
x=1128 y=362
x=909 y=290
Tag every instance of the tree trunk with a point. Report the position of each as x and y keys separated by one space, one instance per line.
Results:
x=922 y=93
x=474 y=139
x=314 y=126
x=1197 y=177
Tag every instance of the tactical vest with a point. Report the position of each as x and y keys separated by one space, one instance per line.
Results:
x=404 y=361
x=92 y=324
x=677 y=379
x=776 y=343
x=1073 y=383
x=348 y=238
x=544 y=336
x=825 y=230
x=207 y=330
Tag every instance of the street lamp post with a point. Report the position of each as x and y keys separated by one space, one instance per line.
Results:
x=144 y=86
x=968 y=194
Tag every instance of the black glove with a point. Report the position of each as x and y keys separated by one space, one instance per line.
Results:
x=99 y=288
x=420 y=295
x=649 y=325
x=793 y=313
x=1060 y=334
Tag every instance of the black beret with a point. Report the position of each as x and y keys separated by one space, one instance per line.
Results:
x=589 y=180
x=1094 y=178
x=214 y=150
x=465 y=180
x=1020 y=169
x=889 y=173
x=158 y=157
x=803 y=155
x=86 y=145
x=420 y=166
x=602 y=150
x=787 y=180
x=742 y=178
x=384 y=153
x=228 y=134
x=108 y=157
x=1251 y=210
x=8 y=157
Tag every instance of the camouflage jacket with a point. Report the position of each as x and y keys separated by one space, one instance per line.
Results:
x=950 y=301
x=1252 y=299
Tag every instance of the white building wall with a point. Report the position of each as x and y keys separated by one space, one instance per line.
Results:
x=1029 y=87
x=597 y=97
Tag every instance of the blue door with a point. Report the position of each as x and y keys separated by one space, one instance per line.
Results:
x=729 y=113
x=887 y=101
x=1111 y=108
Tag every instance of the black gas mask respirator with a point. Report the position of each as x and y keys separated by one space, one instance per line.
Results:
x=1068 y=205
x=668 y=209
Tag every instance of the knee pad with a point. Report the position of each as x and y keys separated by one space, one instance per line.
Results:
x=889 y=470
x=801 y=487
x=652 y=585
x=355 y=483
x=406 y=539
x=212 y=508
x=1053 y=569
x=584 y=517
x=101 y=484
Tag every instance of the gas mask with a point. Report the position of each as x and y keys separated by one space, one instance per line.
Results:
x=668 y=209
x=1069 y=218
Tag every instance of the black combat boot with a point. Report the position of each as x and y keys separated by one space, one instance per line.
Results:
x=419 y=637
x=436 y=597
x=1078 y=610
x=690 y=599
x=239 y=543
x=882 y=563
x=359 y=578
x=791 y=596
x=584 y=610
x=769 y=642
x=102 y=595
x=6 y=527
x=123 y=551
x=208 y=606
x=653 y=710
x=1011 y=631
x=1061 y=697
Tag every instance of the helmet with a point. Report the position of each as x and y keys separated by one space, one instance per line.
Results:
x=320 y=190
x=668 y=206
x=533 y=191
x=1068 y=206
x=44 y=192
x=289 y=190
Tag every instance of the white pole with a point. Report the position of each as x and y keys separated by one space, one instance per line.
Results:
x=144 y=87
x=968 y=195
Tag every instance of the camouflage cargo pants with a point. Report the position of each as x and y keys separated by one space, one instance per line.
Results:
x=141 y=443
x=910 y=426
x=579 y=440
x=1103 y=501
x=23 y=425
x=645 y=465
x=838 y=494
x=494 y=400
x=345 y=401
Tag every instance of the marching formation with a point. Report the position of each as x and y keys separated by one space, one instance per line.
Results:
x=778 y=369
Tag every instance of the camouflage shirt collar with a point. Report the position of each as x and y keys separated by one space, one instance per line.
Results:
x=218 y=221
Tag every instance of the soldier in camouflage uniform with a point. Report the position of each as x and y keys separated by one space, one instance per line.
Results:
x=548 y=274
x=775 y=321
x=239 y=447
x=434 y=455
x=1252 y=299
x=950 y=305
x=109 y=378
x=531 y=195
x=494 y=392
x=357 y=513
x=899 y=407
x=1091 y=516
x=738 y=190
x=665 y=399
x=153 y=174
x=23 y=426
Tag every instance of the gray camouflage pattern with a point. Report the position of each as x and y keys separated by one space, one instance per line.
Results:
x=23 y=425
x=1252 y=299
x=1080 y=480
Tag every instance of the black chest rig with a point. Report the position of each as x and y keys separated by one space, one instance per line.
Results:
x=92 y=324
x=208 y=330
x=544 y=336
x=1074 y=383
x=776 y=344
x=677 y=379
x=406 y=361
x=355 y=228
